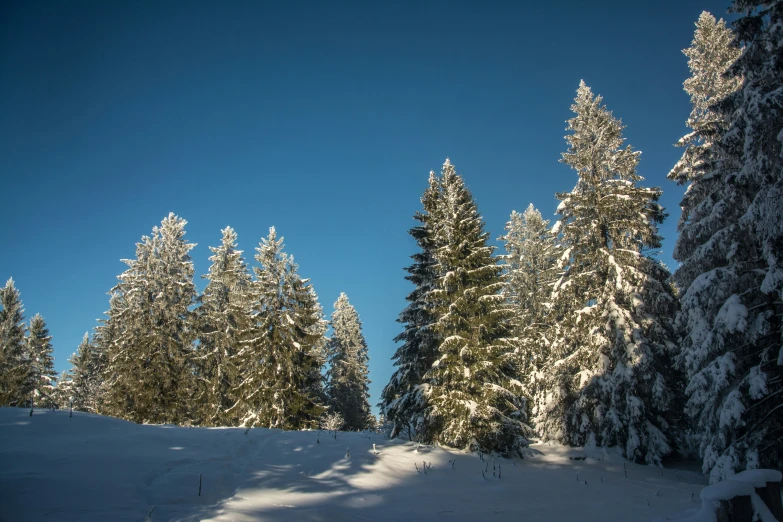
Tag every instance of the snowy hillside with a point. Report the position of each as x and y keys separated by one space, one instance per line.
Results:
x=88 y=467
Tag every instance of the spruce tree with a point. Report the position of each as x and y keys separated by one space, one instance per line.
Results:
x=348 y=376
x=610 y=377
x=403 y=401
x=150 y=365
x=86 y=375
x=280 y=358
x=731 y=275
x=223 y=319
x=14 y=367
x=42 y=376
x=474 y=399
x=530 y=270
x=64 y=390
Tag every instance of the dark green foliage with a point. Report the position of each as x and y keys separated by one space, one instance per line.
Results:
x=348 y=376
x=14 y=366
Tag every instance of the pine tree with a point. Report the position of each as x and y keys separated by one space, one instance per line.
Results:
x=42 y=376
x=223 y=322
x=150 y=361
x=731 y=274
x=530 y=269
x=348 y=376
x=14 y=367
x=280 y=358
x=403 y=401
x=64 y=390
x=710 y=55
x=86 y=376
x=610 y=378
x=474 y=399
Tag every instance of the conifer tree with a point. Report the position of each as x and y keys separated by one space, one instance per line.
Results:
x=42 y=377
x=530 y=269
x=14 y=367
x=86 y=375
x=348 y=376
x=280 y=359
x=403 y=401
x=474 y=400
x=150 y=360
x=64 y=390
x=223 y=322
x=731 y=275
x=610 y=377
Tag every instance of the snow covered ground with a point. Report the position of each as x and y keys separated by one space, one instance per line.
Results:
x=55 y=468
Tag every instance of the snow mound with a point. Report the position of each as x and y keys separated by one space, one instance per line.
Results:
x=758 y=478
x=726 y=490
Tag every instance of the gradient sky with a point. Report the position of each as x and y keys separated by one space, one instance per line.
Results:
x=320 y=118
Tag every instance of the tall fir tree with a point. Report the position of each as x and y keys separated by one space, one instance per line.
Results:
x=403 y=401
x=530 y=269
x=474 y=398
x=280 y=359
x=64 y=390
x=86 y=375
x=610 y=376
x=348 y=375
x=731 y=275
x=224 y=320
x=42 y=377
x=14 y=367
x=150 y=367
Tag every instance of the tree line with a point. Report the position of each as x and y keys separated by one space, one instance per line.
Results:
x=578 y=333
x=249 y=351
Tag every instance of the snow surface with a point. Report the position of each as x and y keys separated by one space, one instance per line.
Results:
x=726 y=490
x=89 y=467
x=758 y=478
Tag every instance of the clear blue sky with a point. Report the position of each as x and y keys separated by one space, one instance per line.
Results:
x=320 y=118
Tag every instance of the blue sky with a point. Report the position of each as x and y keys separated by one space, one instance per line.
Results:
x=320 y=118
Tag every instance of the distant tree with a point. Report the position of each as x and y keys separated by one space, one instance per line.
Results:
x=610 y=376
x=42 y=377
x=730 y=245
x=64 y=390
x=86 y=376
x=14 y=367
x=474 y=398
x=403 y=401
x=348 y=375
x=224 y=321
x=281 y=359
x=150 y=368
x=530 y=269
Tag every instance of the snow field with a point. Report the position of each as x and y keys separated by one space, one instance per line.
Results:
x=89 y=467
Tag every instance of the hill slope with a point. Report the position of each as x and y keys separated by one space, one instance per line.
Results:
x=88 y=467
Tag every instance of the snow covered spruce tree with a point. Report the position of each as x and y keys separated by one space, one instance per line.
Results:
x=42 y=377
x=14 y=366
x=710 y=56
x=150 y=366
x=64 y=390
x=403 y=402
x=348 y=377
x=530 y=269
x=474 y=399
x=731 y=276
x=224 y=320
x=610 y=376
x=281 y=360
x=86 y=375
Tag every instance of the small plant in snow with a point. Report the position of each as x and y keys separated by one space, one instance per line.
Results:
x=332 y=421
